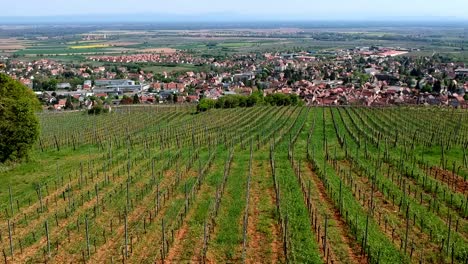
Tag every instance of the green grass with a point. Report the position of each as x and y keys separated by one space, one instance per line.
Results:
x=41 y=168
x=229 y=237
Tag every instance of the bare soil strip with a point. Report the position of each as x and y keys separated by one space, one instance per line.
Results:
x=347 y=243
x=258 y=248
x=454 y=181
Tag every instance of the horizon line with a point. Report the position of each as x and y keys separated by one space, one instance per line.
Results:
x=227 y=17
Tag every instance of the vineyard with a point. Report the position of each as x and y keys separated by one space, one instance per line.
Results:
x=243 y=185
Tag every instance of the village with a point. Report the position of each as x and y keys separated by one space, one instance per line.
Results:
x=368 y=76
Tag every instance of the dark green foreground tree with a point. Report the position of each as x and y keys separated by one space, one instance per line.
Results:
x=19 y=125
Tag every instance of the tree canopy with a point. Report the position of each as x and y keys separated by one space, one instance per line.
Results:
x=256 y=98
x=19 y=126
x=136 y=99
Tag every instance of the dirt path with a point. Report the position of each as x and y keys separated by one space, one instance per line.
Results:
x=255 y=237
x=257 y=250
x=277 y=254
x=347 y=243
x=453 y=181
x=176 y=250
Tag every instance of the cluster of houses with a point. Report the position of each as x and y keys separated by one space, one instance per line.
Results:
x=372 y=76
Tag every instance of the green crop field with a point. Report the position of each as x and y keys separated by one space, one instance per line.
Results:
x=146 y=184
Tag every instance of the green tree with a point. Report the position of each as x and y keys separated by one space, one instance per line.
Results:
x=418 y=85
x=294 y=99
x=437 y=86
x=416 y=72
x=252 y=100
x=219 y=103
x=426 y=88
x=242 y=100
x=231 y=101
x=452 y=87
x=205 y=104
x=136 y=99
x=278 y=99
x=68 y=103
x=68 y=74
x=19 y=126
x=50 y=85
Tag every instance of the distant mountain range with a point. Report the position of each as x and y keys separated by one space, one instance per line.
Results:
x=221 y=17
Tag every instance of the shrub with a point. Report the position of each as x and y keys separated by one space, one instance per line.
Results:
x=97 y=109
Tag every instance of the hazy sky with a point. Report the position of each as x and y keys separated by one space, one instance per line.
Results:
x=289 y=9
